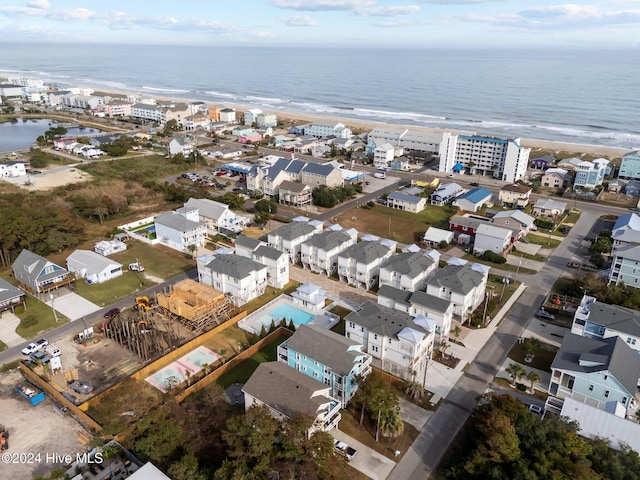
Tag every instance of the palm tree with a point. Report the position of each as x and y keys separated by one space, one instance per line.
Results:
x=533 y=377
x=456 y=332
x=415 y=390
x=391 y=424
x=516 y=371
x=443 y=348
x=532 y=345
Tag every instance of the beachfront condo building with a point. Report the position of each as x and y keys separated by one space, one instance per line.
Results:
x=502 y=158
x=410 y=140
x=630 y=166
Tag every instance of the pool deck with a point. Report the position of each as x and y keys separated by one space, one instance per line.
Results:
x=180 y=367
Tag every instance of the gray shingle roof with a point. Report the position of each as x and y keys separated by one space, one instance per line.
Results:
x=326 y=347
x=457 y=278
x=614 y=354
x=293 y=230
x=383 y=320
x=268 y=252
x=292 y=186
x=615 y=317
x=28 y=268
x=92 y=261
x=8 y=292
x=234 y=265
x=285 y=389
x=425 y=300
x=365 y=252
x=328 y=240
x=318 y=169
x=176 y=221
x=247 y=242
x=207 y=208
x=411 y=264
x=396 y=294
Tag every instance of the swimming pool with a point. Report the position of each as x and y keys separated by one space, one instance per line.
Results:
x=289 y=312
x=279 y=308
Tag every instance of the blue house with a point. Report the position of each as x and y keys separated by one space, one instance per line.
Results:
x=327 y=357
x=543 y=162
x=596 y=372
x=36 y=274
x=473 y=200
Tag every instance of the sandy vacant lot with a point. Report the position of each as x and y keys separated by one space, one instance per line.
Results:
x=50 y=179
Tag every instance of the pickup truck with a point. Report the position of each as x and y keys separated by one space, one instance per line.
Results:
x=345 y=449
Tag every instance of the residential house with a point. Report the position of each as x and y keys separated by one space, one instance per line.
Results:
x=288 y=392
x=400 y=344
x=290 y=236
x=502 y=158
x=596 y=372
x=217 y=217
x=314 y=175
x=241 y=279
x=555 y=178
x=310 y=295
x=93 y=267
x=626 y=230
x=630 y=166
x=548 y=208
x=404 y=201
x=359 y=264
x=241 y=131
x=463 y=284
x=418 y=303
x=36 y=274
x=324 y=129
x=327 y=357
x=570 y=163
x=251 y=137
x=295 y=194
x=632 y=189
x=13 y=168
x=277 y=261
x=251 y=116
x=490 y=238
x=467 y=224
x=181 y=144
x=590 y=174
x=542 y=162
x=599 y=320
x=616 y=186
x=425 y=181
x=109 y=247
x=400 y=164
x=265 y=120
x=409 y=270
x=181 y=229
x=515 y=218
x=197 y=121
x=320 y=252
x=515 y=195
x=445 y=193
x=383 y=155
x=227 y=115
x=625 y=267
x=433 y=237
x=10 y=296
x=473 y=200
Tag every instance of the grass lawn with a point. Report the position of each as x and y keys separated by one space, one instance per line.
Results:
x=502 y=266
x=340 y=311
x=242 y=372
x=229 y=341
x=3 y=346
x=37 y=318
x=158 y=261
x=542 y=358
x=404 y=227
x=542 y=240
x=350 y=424
x=107 y=293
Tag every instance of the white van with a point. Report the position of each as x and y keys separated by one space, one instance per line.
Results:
x=52 y=350
x=380 y=175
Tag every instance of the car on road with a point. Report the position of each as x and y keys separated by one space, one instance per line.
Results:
x=535 y=409
x=474 y=184
x=451 y=175
x=342 y=447
x=112 y=313
x=544 y=314
x=35 y=172
x=35 y=346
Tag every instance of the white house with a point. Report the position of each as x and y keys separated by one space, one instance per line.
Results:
x=463 y=284
x=434 y=236
x=359 y=264
x=626 y=230
x=180 y=229
x=515 y=195
x=445 y=193
x=473 y=200
x=109 y=247
x=251 y=116
x=409 y=270
x=548 y=208
x=266 y=120
x=491 y=238
x=92 y=266
x=276 y=261
x=241 y=279
x=310 y=295
x=511 y=218
x=290 y=236
x=402 y=344
x=217 y=216
x=287 y=392
x=554 y=178
x=13 y=168
x=320 y=252
x=227 y=115
x=181 y=144
x=407 y=202
x=383 y=155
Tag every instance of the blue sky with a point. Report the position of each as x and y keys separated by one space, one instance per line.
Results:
x=326 y=23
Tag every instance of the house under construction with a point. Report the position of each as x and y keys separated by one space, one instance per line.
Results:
x=196 y=306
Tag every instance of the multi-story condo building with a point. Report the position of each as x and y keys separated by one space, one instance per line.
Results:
x=266 y=120
x=630 y=166
x=160 y=114
x=626 y=230
x=251 y=116
x=240 y=278
x=463 y=284
x=409 y=270
x=599 y=320
x=590 y=174
x=276 y=261
x=118 y=108
x=625 y=267
x=598 y=372
x=320 y=252
x=290 y=236
x=383 y=155
x=327 y=129
x=287 y=392
x=399 y=344
x=328 y=357
x=359 y=264
x=405 y=139
x=502 y=158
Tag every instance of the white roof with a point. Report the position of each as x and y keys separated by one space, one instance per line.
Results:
x=148 y=472
x=549 y=204
x=207 y=208
x=493 y=231
x=91 y=261
x=437 y=235
x=411 y=248
x=518 y=215
x=558 y=171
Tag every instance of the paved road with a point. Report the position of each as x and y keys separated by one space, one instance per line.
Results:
x=434 y=440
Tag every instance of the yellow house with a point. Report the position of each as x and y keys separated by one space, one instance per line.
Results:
x=515 y=195
x=425 y=181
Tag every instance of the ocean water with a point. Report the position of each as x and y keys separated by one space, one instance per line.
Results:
x=574 y=96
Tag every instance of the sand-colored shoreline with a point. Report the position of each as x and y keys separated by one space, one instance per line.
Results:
x=366 y=125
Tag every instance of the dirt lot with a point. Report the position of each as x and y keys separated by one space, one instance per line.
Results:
x=50 y=179
x=35 y=429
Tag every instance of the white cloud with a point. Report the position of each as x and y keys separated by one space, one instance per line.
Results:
x=299 y=21
x=323 y=5
x=459 y=2
x=391 y=11
x=38 y=4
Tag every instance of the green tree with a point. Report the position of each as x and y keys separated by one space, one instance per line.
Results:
x=268 y=206
x=186 y=468
x=532 y=345
x=414 y=390
x=533 y=377
x=159 y=436
x=391 y=424
x=516 y=371
x=170 y=127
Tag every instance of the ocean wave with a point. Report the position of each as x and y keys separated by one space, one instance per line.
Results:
x=399 y=115
x=219 y=94
x=265 y=99
x=164 y=89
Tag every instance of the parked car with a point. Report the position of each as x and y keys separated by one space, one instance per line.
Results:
x=535 y=409
x=35 y=346
x=564 y=229
x=342 y=447
x=544 y=314
x=112 y=313
x=136 y=267
x=474 y=184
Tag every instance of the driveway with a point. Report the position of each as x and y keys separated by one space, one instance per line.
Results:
x=8 y=324
x=73 y=306
x=367 y=460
